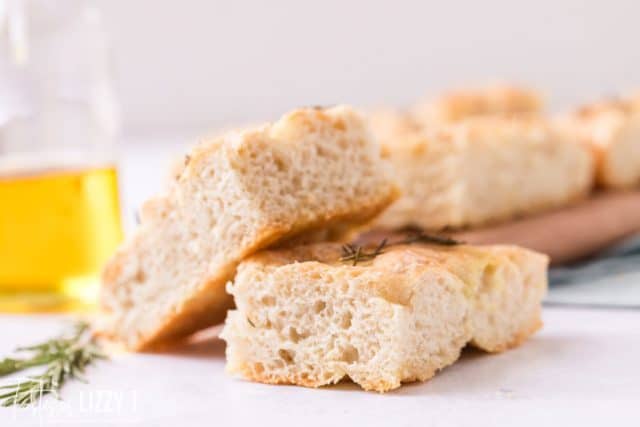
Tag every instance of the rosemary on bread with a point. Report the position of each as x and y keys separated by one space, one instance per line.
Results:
x=358 y=253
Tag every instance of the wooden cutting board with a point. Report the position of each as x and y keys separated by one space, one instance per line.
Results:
x=566 y=234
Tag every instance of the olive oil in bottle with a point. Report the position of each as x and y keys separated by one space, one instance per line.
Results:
x=57 y=228
x=59 y=126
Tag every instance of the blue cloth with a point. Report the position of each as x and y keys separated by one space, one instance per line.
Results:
x=621 y=258
x=611 y=279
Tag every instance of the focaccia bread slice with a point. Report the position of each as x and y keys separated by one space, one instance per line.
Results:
x=306 y=317
x=484 y=170
x=612 y=130
x=313 y=171
x=481 y=101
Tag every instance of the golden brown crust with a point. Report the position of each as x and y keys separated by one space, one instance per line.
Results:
x=395 y=253
x=465 y=261
x=252 y=374
x=614 y=105
x=491 y=100
x=601 y=126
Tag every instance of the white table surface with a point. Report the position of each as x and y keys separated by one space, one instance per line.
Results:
x=583 y=367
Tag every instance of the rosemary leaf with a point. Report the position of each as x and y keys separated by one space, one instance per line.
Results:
x=422 y=237
x=65 y=358
x=357 y=253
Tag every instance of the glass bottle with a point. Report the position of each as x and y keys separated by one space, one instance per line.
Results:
x=59 y=206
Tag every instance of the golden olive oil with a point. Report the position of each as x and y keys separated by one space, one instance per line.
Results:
x=57 y=228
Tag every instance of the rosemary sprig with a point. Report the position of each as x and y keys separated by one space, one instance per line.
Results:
x=65 y=357
x=358 y=253
x=422 y=237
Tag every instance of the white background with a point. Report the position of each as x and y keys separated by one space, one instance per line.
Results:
x=196 y=64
